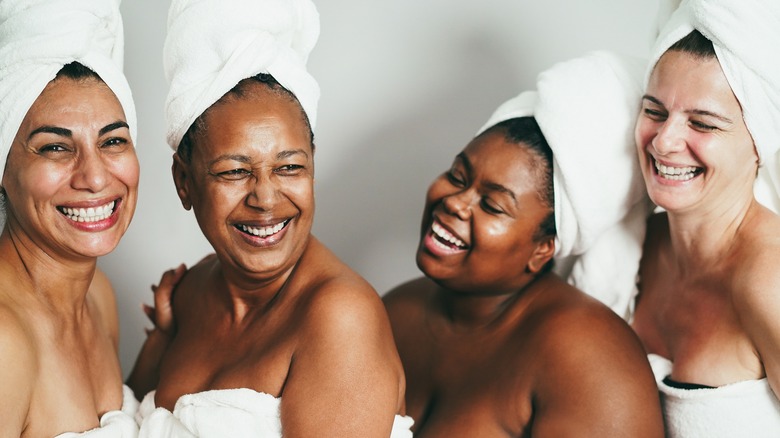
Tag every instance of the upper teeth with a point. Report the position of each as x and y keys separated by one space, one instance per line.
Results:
x=91 y=214
x=676 y=173
x=444 y=234
x=262 y=231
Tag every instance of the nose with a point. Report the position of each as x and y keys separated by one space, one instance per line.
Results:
x=459 y=204
x=91 y=172
x=670 y=137
x=262 y=193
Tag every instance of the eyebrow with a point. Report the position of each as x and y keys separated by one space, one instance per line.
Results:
x=64 y=132
x=695 y=111
x=492 y=186
x=246 y=159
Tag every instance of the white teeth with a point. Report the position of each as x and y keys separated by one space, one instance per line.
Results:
x=445 y=235
x=91 y=214
x=262 y=231
x=676 y=173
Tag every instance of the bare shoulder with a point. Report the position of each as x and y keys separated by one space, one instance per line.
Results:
x=408 y=297
x=18 y=370
x=592 y=374
x=101 y=295
x=755 y=278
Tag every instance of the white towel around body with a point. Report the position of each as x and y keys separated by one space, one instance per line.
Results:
x=114 y=424
x=741 y=409
x=586 y=108
x=234 y=413
x=39 y=37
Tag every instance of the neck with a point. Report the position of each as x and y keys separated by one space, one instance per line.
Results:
x=481 y=309
x=61 y=285
x=701 y=238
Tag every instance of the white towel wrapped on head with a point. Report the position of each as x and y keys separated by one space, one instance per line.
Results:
x=39 y=37
x=745 y=35
x=212 y=45
x=586 y=109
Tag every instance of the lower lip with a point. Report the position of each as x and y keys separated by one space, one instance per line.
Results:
x=97 y=226
x=263 y=242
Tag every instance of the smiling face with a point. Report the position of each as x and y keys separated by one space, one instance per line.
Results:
x=694 y=147
x=71 y=179
x=250 y=180
x=481 y=218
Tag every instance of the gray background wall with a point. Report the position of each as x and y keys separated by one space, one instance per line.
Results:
x=405 y=85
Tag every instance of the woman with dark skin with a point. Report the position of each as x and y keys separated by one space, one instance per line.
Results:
x=493 y=343
x=273 y=311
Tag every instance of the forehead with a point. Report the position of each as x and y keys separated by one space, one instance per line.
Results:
x=494 y=158
x=71 y=103
x=683 y=79
x=258 y=119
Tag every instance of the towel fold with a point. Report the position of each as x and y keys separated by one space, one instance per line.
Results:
x=38 y=37
x=237 y=413
x=212 y=45
x=114 y=424
x=745 y=35
x=742 y=409
x=586 y=109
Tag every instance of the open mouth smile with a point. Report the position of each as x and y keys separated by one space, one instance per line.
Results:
x=671 y=173
x=445 y=239
x=262 y=232
x=90 y=214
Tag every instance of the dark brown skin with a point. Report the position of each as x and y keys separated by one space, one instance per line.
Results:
x=493 y=350
x=280 y=315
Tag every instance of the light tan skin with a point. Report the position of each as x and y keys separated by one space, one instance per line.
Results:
x=287 y=318
x=59 y=370
x=709 y=279
x=492 y=348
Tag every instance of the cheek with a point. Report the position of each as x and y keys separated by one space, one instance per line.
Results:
x=127 y=170
x=643 y=134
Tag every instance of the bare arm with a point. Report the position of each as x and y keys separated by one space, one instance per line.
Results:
x=17 y=376
x=595 y=382
x=345 y=380
x=757 y=302
x=145 y=373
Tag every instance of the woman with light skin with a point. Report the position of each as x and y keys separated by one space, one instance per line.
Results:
x=272 y=330
x=69 y=188
x=708 y=302
x=493 y=343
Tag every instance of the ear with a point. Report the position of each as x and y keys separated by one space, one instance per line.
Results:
x=542 y=254
x=181 y=177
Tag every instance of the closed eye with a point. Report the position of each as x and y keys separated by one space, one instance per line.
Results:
x=234 y=174
x=654 y=114
x=289 y=169
x=699 y=126
x=488 y=206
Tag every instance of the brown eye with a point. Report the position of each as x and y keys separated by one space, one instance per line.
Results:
x=234 y=174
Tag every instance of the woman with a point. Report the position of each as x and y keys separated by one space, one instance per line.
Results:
x=69 y=190
x=272 y=331
x=707 y=303
x=493 y=343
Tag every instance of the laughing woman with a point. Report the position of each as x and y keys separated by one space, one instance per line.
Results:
x=69 y=191
x=708 y=292
x=493 y=343
x=274 y=335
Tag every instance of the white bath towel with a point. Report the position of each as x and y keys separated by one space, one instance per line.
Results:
x=745 y=35
x=586 y=109
x=212 y=45
x=235 y=413
x=742 y=409
x=38 y=37
x=114 y=424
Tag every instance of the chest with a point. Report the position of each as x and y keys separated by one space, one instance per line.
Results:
x=204 y=357
x=467 y=386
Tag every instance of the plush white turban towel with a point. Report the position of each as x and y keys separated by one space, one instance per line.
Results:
x=235 y=413
x=38 y=37
x=746 y=36
x=214 y=44
x=114 y=424
x=586 y=109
